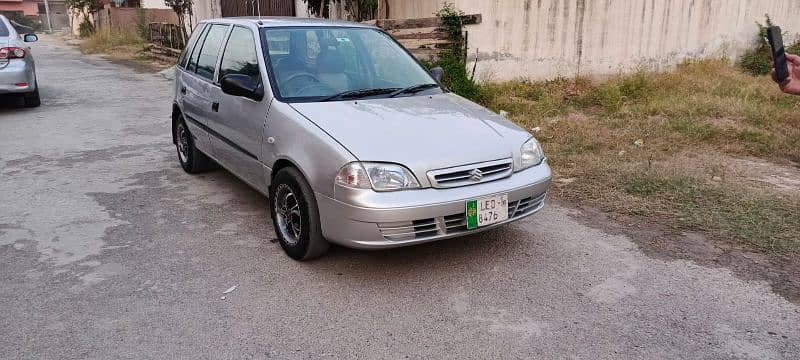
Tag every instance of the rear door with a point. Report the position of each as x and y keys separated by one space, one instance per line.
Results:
x=202 y=95
x=240 y=121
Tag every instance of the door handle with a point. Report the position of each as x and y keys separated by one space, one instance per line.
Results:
x=183 y=90
x=215 y=107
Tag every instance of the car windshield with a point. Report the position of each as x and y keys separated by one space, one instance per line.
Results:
x=335 y=63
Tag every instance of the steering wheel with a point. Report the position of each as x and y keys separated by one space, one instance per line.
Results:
x=299 y=75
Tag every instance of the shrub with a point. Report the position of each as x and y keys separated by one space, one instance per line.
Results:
x=86 y=28
x=758 y=61
x=457 y=79
x=452 y=60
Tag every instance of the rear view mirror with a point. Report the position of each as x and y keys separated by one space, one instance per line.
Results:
x=242 y=85
x=30 y=38
x=437 y=73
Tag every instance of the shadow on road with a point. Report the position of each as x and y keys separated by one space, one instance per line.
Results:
x=10 y=103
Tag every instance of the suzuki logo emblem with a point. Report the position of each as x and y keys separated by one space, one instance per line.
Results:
x=476 y=175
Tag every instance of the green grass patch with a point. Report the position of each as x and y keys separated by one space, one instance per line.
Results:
x=711 y=108
x=766 y=222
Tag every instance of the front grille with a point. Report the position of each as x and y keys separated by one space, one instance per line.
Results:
x=471 y=174
x=452 y=224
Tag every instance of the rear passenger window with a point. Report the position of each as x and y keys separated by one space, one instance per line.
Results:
x=240 y=55
x=207 y=57
x=192 y=65
x=190 y=45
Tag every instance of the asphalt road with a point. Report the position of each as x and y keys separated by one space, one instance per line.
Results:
x=109 y=250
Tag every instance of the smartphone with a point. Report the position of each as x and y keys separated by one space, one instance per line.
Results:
x=775 y=38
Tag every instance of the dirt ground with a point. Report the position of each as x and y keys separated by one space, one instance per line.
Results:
x=658 y=241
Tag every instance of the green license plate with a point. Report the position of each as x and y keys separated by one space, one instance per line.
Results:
x=487 y=211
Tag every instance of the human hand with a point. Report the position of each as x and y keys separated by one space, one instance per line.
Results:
x=792 y=84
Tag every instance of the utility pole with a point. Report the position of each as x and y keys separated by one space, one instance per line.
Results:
x=47 y=12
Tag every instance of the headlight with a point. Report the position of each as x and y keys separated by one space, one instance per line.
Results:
x=532 y=154
x=378 y=176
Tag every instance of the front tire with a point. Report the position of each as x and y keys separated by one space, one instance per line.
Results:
x=295 y=216
x=192 y=160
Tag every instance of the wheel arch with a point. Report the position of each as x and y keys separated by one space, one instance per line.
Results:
x=176 y=114
x=285 y=162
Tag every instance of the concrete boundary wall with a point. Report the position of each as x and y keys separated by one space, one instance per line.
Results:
x=126 y=19
x=549 y=38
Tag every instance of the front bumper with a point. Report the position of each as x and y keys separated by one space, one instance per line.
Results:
x=401 y=218
x=17 y=71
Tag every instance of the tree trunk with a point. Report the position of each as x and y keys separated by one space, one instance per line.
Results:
x=182 y=25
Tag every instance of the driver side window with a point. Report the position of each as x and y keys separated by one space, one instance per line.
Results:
x=240 y=55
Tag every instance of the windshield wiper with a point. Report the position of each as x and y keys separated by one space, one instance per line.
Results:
x=359 y=93
x=413 y=89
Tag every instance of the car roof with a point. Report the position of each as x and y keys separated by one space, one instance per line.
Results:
x=286 y=21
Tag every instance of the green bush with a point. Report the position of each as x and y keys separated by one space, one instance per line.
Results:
x=456 y=78
x=86 y=28
x=452 y=60
x=758 y=61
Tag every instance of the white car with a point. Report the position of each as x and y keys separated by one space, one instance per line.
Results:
x=17 y=69
x=353 y=141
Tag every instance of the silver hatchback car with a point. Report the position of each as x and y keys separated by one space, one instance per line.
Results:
x=351 y=139
x=17 y=69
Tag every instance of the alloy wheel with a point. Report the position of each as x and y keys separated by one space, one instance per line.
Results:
x=288 y=213
x=183 y=143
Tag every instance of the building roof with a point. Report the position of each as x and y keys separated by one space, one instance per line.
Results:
x=286 y=21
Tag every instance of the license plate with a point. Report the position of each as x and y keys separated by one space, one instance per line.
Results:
x=487 y=211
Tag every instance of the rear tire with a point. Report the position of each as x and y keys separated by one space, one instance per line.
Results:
x=192 y=160
x=32 y=99
x=295 y=216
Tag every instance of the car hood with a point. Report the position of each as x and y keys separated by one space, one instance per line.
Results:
x=421 y=132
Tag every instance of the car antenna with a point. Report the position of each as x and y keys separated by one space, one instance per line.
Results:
x=258 y=6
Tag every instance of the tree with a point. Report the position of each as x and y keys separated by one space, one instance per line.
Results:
x=359 y=10
x=182 y=8
x=85 y=8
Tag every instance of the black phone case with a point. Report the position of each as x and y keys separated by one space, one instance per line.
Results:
x=775 y=38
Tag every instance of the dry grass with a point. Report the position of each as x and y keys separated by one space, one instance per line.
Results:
x=115 y=44
x=126 y=48
x=590 y=132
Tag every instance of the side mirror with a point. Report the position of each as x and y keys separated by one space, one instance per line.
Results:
x=242 y=85
x=30 y=38
x=437 y=73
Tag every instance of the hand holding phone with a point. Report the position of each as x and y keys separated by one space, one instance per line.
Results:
x=787 y=67
x=775 y=38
